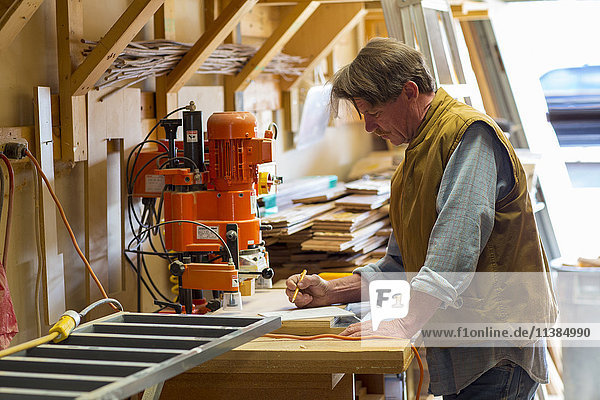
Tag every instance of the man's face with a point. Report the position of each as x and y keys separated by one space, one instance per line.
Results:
x=388 y=121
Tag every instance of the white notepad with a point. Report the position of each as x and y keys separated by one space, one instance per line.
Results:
x=308 y=313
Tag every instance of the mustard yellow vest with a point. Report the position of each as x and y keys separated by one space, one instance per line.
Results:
x=513 y=247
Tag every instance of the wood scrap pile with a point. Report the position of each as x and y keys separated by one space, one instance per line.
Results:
x=339 y=228
x=141 y=60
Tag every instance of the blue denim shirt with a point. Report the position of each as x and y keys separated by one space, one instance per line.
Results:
x=476 y=176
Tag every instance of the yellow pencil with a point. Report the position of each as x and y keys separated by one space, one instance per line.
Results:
x=302 y=275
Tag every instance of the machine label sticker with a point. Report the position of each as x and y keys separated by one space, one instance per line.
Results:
x=253 y=203
x=192 y=136
x=250 y=241
x=203 y=233
x=235 y=282
x=154 y=183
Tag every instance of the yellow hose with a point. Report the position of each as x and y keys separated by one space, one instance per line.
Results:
x=29 y=345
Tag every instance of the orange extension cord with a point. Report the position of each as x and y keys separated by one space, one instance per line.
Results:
x=11 y=191
x=331 y=336
x=71 y=234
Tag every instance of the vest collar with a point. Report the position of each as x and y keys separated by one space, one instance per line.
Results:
x=439 y=103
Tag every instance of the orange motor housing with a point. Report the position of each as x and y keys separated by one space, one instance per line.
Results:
x=234 y=155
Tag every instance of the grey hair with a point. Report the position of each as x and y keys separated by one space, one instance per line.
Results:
x=379 y=72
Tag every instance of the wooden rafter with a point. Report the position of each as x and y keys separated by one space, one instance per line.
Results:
x=111 y=45
x=291 y=3
x=273 y=45
x=208 y=42
x=69 y=31
x=315 y=39
x=14 y=17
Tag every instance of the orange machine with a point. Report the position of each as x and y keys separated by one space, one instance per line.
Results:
x=211 y=220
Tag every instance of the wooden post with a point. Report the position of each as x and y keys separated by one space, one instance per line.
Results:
x=69 y=27
x=53 y=272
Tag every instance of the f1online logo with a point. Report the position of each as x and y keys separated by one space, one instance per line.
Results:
x=388 y=299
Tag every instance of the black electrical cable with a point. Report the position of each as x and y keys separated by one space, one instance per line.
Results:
x=176 y=221
x=179 y=158
x=152 y=281
x=146 y=218
x=142 y=169
x=143 y=280
x=148 y=253
x=149 y=209
x=151 y=223
x=130 y=194
x=140 y=222
x=160 y=204
x=140 y=145
x=146 y=140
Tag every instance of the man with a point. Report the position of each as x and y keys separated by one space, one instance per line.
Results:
x=459 y=205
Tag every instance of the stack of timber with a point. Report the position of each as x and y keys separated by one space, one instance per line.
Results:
x=340 y=229
x=348 y=231
x=305 y=187
x=294 y=219
x=330 y=194
x=369 y=186
x=363 y=202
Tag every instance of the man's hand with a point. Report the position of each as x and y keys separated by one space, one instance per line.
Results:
x=314 y=291
x=393 y=328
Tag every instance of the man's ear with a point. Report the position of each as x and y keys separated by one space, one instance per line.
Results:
x=411 y=90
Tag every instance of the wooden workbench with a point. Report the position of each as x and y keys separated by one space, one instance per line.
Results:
x=290 y=369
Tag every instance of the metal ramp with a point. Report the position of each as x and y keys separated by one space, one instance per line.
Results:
x=123 y=354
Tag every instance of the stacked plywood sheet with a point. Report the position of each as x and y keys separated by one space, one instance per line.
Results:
x=294 y=219
x=346 y=231
x=323 y=233
x=367 y=186
x=302 y=187
x=330 y=194
x=348 y=221
x=362 y=202
x=361 y=241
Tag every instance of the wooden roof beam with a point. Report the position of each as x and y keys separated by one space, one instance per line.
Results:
x=112 y=44
x=291 y=3
x=273 y=45
x=208 y=42
x=14 y=18
x=318 y=35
